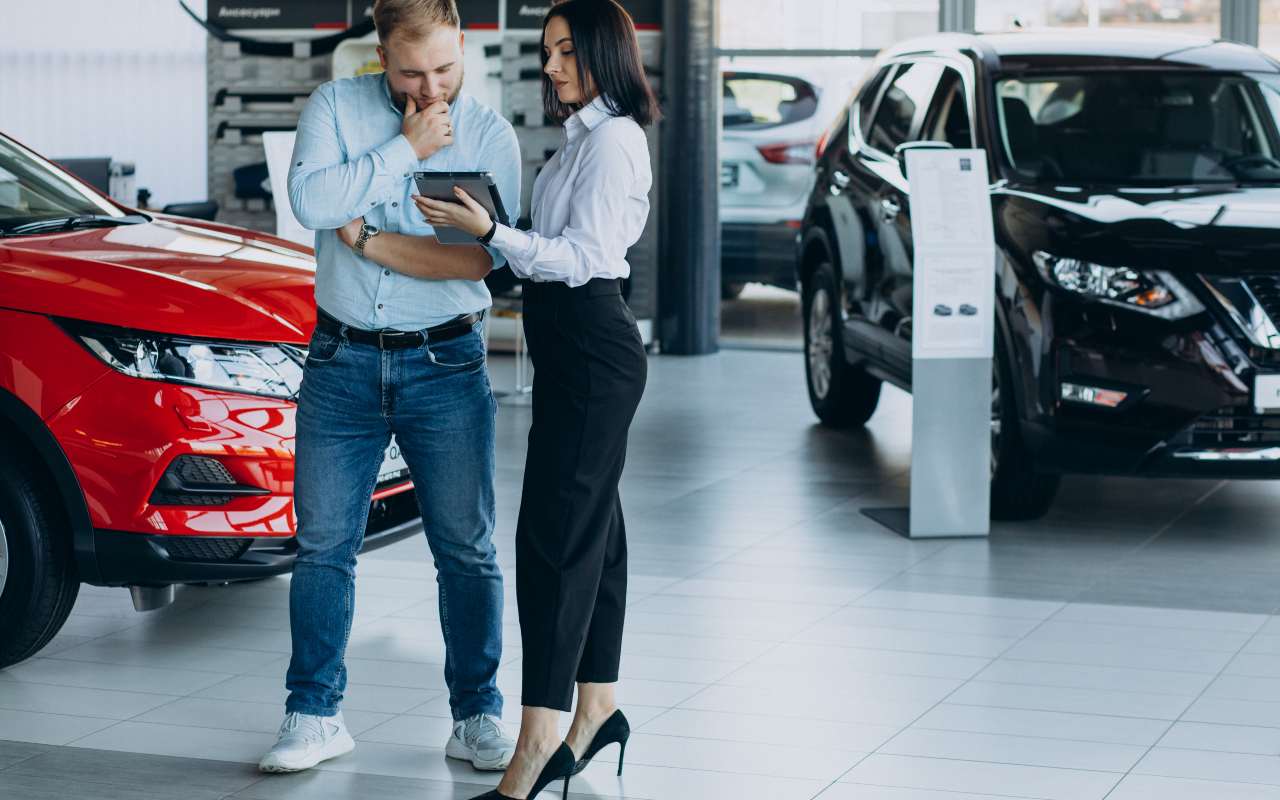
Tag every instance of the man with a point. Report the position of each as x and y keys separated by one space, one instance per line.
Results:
x=395 y=354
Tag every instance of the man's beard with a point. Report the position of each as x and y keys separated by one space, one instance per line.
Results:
x=399 y=98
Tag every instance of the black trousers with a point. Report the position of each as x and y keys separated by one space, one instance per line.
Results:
x=571 y=549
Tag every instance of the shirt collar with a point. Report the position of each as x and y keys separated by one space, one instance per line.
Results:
x=589 y=117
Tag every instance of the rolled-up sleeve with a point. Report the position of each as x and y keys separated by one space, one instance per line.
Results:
x=327 y=192
x=597 y=211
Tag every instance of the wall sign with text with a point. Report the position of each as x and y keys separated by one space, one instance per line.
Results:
x=528 y=14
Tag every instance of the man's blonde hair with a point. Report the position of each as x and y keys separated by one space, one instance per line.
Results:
x=413 y=19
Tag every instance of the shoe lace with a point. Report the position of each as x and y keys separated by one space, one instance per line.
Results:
x=481 y=726
x=310 y=728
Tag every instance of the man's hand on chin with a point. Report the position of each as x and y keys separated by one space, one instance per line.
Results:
x=348 y=233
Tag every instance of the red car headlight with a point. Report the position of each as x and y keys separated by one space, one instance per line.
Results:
x=272 y=370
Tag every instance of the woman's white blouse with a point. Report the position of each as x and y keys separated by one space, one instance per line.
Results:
x=590 y=203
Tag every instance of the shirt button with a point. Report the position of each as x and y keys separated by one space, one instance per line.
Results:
x=379 y=305
x=395 y=205
x=386 y=272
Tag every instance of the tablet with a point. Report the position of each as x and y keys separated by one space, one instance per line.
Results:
x=480 y=185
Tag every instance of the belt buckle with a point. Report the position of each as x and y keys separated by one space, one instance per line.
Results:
x=382 y=345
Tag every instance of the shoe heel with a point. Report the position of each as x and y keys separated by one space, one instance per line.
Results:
x=622 y=752
x=565 y=794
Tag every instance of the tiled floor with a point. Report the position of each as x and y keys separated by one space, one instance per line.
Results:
x=779 y=645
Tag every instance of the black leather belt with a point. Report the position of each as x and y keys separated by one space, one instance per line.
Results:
x=396 y=340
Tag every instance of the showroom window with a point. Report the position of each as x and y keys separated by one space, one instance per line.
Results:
x=790 y=67
x=825 y=24
x=1201 y=17
x=911 y=90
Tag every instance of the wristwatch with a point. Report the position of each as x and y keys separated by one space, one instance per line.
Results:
x=367 y=232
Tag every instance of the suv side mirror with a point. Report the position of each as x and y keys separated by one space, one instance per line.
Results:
x=900 y=152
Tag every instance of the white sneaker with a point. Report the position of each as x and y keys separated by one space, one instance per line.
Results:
x=483 y=741
x=305 y=740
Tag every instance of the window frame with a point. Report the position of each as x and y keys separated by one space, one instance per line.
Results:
x=955 y=60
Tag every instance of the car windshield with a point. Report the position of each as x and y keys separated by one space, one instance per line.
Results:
x=33 y=190
x=755 y=100
x=1141 y=128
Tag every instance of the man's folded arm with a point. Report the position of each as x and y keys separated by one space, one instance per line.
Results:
x=327 y=192
x=424 y=257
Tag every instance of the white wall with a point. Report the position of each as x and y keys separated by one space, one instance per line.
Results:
x=119 y=78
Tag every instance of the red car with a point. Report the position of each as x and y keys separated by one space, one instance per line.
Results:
x=149 y=367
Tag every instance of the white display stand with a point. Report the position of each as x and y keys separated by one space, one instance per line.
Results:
x=279 y=148
x=953 y=328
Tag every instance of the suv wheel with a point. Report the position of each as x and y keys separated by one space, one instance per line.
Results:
x=1018 y=492
x=842 y=396
x=38 y=585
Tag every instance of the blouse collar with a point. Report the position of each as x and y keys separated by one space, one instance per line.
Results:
x=588 y=118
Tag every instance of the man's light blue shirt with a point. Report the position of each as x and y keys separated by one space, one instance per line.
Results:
x=350 y=160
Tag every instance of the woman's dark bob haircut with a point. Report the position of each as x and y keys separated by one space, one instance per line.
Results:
x=604 y=39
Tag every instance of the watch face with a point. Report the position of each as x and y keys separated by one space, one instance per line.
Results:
x=370 y=229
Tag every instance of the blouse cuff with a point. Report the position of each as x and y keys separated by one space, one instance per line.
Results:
x=510 y=241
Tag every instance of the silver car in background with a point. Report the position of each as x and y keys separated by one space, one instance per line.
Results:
x=772 y=125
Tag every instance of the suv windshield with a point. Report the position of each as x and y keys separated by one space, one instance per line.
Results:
x=1141 y=128
x=33 y=191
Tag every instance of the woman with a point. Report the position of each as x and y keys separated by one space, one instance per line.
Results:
x=590 y=204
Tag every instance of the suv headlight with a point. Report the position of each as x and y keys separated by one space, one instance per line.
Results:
x=262 y=369
x=1156 y=293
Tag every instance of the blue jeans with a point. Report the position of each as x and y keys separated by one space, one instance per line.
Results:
x=437 y=401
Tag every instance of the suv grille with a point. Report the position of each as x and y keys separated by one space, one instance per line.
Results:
x=1231 y=427
x=206 y=548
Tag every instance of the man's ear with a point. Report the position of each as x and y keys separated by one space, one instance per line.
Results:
x=382 y=57
x=462 y=41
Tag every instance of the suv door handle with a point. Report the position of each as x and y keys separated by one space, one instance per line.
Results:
x=890 y=208
x=840 y=179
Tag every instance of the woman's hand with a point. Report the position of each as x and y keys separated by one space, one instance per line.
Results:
x=466 y=215
x=351 y=231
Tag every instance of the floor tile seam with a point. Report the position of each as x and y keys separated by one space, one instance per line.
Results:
x=1112 y=666
x=1061 y=711
x=1125 y=559
x=58 y=657
x=893 y=786
x=802 y=629
x=1200 y=695
x=25 y=759
x=99 y=688
x=1127 y=692
x=44 y=712
x=139 y=618
x=707 y=738
x=1036 y=737
x=956 y=759
x=912 y=722
x=133 y=718
x=963 y=683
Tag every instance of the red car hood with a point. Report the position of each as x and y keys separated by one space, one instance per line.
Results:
x=170 y=275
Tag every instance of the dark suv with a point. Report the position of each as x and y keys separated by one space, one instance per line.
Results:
x=1136 y=202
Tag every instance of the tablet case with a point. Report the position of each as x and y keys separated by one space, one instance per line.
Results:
x=480 y=185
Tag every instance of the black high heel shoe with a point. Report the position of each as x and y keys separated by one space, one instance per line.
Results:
x=560 y=766
x=615 y=730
